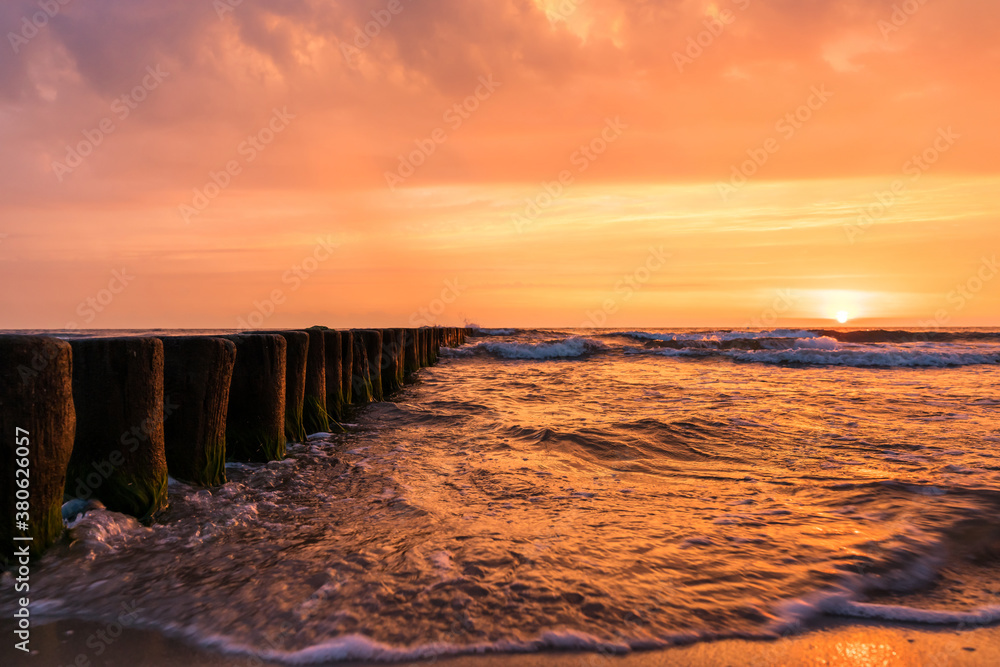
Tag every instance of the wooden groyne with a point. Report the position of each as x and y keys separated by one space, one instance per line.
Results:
x=109 y=418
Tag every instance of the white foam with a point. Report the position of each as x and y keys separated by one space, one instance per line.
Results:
x=867 y=356
x=361 y=648
x=442 y=560
x=100 y=530
x=496 y=332
x=568 y=347
x=821 y=343
x=718 y=336
x=841 y=606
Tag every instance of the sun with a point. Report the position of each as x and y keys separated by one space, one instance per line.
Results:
x=842 y=316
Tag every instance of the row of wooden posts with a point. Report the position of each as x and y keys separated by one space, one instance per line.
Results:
x=110 y=418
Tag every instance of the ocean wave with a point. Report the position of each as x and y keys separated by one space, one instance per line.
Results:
x=918 y=562
x=97 y=531
x=575 y=346
x=902 y=336
x=821 y=343
x=826 y=352
x=801 y=613
x=356 y=647
x=902 y=613
x=888 y=357
x=718 y=336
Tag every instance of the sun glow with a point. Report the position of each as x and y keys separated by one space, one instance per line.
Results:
x=842 y=316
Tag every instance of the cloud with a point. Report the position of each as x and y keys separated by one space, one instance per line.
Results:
x=560 y=81
x=362 y=101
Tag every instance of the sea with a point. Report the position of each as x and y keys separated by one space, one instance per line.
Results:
x=593 y=490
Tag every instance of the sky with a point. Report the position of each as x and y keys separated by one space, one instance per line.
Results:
x=621 y=163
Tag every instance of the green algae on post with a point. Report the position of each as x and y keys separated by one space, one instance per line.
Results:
x=334 y=374
x=38 y=423
x=361 y=382
x=346 y=366
x=373 y=348
x=296 y=358
x=315 y=416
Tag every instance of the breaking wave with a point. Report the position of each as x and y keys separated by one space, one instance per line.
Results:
x=566 y=348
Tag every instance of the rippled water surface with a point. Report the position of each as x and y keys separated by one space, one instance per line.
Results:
x=608 y=490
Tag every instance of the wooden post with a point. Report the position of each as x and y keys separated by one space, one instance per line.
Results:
x=361 y=382
x=197 y=373
x=255 y=423
x=314 y=414
x=118 y=453
x=37 y=428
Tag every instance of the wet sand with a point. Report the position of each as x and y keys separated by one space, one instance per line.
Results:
x=838 y=643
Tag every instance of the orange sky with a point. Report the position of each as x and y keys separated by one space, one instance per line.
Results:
x=510 y=162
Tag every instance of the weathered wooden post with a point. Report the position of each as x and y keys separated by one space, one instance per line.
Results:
x=197 y=373
x=411 y=356
x=373 y=349
x=118 y=453
x=347 y=365
x=334 y=374
x=392 y=360
x=314 y=415
x=435 y=345
x=361 y=382
x=400 y=357
x=425 y=341
x=37 y=427
x=296 y=363
x=255 y=423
